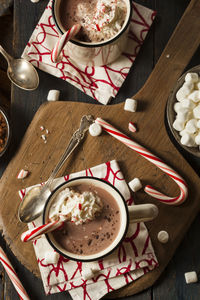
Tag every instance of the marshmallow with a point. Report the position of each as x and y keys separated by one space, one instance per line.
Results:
x=135 y=184
x=130 y=105
x=191 y=126
x=196 y=112
x=53 y=95
x=189 y=86
x=187 y=103
x=188 y=140
x=183 y=92
x=51 y=257
x=177 y=107
x=191 y=77
x=87 y=273
x=182 y=117
x=191 y=277
x=182 y=132
x=35 y=1
x=178 y=125
x=197 y=139
x=95 y=129
x=194 y=96
x=163 y=236
x=198 y=124
x=198 y=85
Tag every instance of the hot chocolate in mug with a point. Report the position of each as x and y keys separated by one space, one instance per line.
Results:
x=99 y=237
x=96 y=53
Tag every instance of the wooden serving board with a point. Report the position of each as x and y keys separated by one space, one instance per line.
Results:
x=62 y=118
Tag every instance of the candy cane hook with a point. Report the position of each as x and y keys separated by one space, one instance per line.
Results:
x=68 y=35
x=153 y=159
x=36 y=232
x=13 y=276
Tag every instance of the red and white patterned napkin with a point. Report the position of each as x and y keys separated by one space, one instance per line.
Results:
x=132 y=259
x=101 y=83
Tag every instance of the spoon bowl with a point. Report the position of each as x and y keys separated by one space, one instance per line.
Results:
x=21 y=72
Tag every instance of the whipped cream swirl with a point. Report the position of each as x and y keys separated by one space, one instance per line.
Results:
x=75 y=206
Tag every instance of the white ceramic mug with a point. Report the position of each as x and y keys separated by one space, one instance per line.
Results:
x=134 y=213
x=95 y=54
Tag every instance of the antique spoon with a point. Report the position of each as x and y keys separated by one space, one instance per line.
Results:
x=21 y=72
x=34 y=201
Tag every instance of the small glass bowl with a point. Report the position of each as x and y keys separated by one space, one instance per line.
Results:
x=6 y=138
x=171 y=114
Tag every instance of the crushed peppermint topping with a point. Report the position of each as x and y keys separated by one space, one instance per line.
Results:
x=106 y=22
x=76 y=207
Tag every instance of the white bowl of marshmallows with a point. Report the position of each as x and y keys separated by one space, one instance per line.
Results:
x=183 y=111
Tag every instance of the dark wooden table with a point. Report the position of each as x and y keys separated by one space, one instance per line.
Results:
x=171 y=285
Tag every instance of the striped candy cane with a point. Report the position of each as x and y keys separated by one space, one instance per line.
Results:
x=13 y=276
x=35 y=233
x=153 y=159
x=68 y=35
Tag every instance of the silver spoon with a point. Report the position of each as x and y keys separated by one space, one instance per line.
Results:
x=34 y=201
x=21 y=72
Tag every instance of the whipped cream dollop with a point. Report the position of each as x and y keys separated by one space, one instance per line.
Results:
x=75 y=206
x=106 y=21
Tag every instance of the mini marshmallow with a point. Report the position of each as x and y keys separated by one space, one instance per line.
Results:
x=191 y=77
x=191 y=277
x=189 y=86
x=95 y=129
x=194 y=96
x=53 y=95
x=178 y=125
x=187 y=103
x=135 y=184
x=182 y=132
x=163 y=236
x=130 y=105
x=177 y=107
x=198 y=85
x=182 y=117
x=198 y=124
x=183 y=92
x=51 y=257
x=191 y=126
x=196 y=112
x=188 y=140
x=197 y=139
x=87 y=274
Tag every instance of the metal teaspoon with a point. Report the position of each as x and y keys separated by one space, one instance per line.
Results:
x=34 y=201
x=21 y=72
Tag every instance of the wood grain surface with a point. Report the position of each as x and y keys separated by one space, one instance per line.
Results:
x=143 y=67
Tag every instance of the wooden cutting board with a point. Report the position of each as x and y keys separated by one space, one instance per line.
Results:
x=62 y=118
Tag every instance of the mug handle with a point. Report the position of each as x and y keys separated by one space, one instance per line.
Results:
x=142 y=212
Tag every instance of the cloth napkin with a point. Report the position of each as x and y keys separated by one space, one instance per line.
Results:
x=101 y=83
x=132 y=259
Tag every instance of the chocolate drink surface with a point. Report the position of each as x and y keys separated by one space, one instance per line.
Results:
x=100 y=19
x=96 y=235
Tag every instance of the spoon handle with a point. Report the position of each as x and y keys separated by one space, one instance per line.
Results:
x=5 y=54
x=78 y=135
